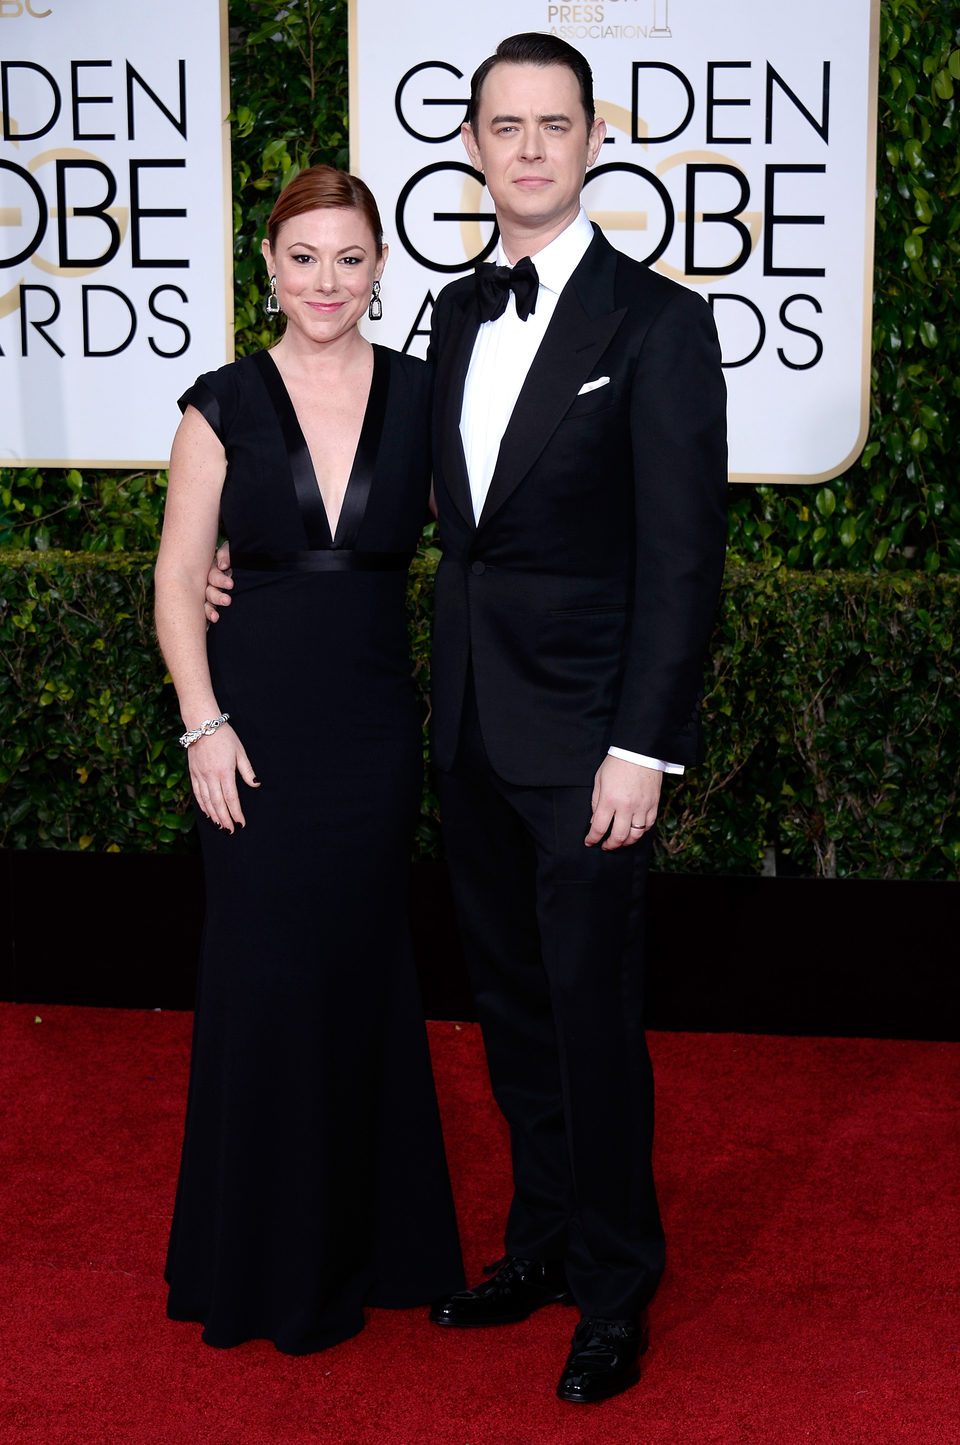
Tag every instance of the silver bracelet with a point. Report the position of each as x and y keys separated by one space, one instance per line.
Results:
x=204 y=730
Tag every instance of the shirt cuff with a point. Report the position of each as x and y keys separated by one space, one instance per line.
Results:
x=644 y=761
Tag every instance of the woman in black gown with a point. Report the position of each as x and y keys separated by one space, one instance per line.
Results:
x=313 y=1179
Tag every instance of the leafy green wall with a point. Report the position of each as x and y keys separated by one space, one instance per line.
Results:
x=832 y=713
x=834 y=708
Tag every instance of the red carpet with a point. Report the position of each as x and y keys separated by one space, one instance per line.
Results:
x=810 y=1193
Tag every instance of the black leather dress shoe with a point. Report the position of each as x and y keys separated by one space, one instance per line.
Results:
x=518 y=1287
x=604 y=1359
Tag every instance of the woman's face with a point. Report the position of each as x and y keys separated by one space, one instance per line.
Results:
x=325 y=263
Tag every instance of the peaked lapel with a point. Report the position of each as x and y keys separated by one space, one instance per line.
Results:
x=581 y=328
x=457 y=348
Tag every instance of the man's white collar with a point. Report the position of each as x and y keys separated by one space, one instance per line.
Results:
x=557 y=262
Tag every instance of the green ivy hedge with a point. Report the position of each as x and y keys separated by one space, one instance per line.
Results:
x=833 y=720
x=832 y=716
x=85 y=719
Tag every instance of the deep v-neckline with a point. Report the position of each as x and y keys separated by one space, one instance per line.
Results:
x=313 y=509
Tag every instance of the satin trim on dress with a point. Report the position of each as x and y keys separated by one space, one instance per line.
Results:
x=323 y=559
x=316 y=523
x=355 y=498
x=312 y=510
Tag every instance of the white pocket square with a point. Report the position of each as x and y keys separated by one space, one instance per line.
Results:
x=593 y=385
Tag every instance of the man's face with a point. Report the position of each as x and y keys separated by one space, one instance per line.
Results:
x=531 y=140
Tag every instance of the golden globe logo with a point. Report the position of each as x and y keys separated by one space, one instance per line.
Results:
x=739 y=158
x=115 y=235
x=86 y=208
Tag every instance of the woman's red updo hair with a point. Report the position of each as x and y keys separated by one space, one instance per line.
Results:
x=319 y=188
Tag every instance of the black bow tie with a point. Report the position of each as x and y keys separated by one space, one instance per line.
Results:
x=494 y=284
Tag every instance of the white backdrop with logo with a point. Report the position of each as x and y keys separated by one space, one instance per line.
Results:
x=740 y=160
x=115 y=224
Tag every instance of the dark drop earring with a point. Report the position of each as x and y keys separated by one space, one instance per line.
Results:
x=272 y=305
x=375 y=309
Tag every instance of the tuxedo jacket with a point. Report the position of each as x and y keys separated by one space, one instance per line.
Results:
x=583 y=598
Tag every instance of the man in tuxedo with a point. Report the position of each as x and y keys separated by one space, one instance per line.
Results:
x=580 y=466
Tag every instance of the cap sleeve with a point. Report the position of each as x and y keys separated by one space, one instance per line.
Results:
x=201 y=396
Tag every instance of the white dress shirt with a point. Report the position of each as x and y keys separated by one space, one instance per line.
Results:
x=501 y=358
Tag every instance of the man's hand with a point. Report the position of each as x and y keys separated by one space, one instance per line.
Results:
x=219 y=582
x=625 y=801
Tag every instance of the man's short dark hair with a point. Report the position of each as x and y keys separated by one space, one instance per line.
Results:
x=533 y=49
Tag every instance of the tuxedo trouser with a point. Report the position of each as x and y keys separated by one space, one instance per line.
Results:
x=552 y=933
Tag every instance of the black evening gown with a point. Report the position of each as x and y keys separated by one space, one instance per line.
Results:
x=313 y=1179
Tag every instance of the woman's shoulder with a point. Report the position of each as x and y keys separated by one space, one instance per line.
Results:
x=403 y=361
x=227 y=385
x=412 y=372
x=230 y=377
x=221 y=395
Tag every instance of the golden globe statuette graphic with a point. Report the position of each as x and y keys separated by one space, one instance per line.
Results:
x=660 y=29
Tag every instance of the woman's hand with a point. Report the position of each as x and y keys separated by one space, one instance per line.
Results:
x=215 y=760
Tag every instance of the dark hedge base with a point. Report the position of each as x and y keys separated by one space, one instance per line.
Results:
x=749 y=955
